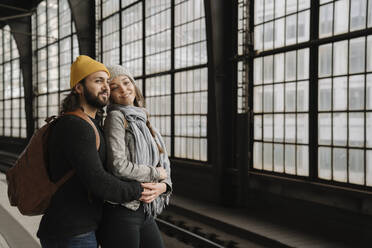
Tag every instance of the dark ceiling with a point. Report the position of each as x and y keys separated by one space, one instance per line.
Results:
x=13 y=9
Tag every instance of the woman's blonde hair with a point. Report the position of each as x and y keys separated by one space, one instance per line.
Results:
x=139 y=101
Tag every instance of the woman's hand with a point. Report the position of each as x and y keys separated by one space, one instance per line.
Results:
x=162 y=172
x=152 y=191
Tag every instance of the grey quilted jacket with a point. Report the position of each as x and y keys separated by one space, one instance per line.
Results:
x=121 y=152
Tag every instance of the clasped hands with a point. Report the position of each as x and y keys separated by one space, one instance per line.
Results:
x=151 y=191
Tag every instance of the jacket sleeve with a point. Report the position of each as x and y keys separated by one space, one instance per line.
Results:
x=117 y=161
x=82 y=154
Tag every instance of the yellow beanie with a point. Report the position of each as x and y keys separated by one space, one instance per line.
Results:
x=84 y=66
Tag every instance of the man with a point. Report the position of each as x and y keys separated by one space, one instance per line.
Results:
x=75 y=210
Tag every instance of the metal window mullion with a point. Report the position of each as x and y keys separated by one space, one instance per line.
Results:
x=36 y=103
x=263 y=113
x=285 y=24
x=365 y=104
x=347 y=112
x=332 y=108
x=3 y=76
x=101 y=30
x=47 y=58
x=272 y=110
x=313 y=91
x=172 y=79
x=120 y=34
x=20 y=99
x=11 y=83
x=59 y=57
x=284 y=111
x=348 y=91
x=144 y=48
x=296 y=83
x=248 y=65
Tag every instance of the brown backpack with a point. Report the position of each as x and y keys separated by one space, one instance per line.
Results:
x=29 y=186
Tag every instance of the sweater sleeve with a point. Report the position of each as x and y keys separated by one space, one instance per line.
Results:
x=83 y=156
x=117 y=161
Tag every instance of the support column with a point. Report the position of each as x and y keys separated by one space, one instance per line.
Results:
x=21 y=30
x=221 y=44
x=83 y=14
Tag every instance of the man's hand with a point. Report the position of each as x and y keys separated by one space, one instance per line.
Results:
x=152 y=191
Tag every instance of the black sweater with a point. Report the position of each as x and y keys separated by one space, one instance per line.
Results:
x=77 y=205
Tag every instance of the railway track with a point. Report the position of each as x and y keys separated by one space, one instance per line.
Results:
x=194 y=239
x=194 y=232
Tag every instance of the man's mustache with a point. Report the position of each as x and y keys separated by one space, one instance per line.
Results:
x=103 y=92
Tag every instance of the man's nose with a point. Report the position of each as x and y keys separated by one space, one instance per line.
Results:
x=106 y=87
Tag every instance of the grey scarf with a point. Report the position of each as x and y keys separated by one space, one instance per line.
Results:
x=147 y=151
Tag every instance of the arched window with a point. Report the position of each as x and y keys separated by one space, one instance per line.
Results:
x=55 y=46
x=169 y=61
x=12 y=105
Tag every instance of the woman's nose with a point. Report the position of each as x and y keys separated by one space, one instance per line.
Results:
x=123 y=88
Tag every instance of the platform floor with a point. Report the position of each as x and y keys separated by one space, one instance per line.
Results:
x=18 y=231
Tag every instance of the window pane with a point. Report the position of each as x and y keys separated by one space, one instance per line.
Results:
x=340 y=93
x=339 y=129
x=325 y=96
x=356 y=55
x=356 y=129
x=278 y=158
x=268 y=156
x=325 y=53
x=324 y=129
x=358 y=14
x=257 y=155
x=325 y=20
x=369 y=167
x=339 y=164
x=341 y=16
x=290 y=159
x=303 y=160
x=369 y=130
x=324 y=163
x=356 y=166
x=356 y=92
x=340 y=58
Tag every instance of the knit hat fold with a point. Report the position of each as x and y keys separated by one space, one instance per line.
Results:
x=84 y=66
x=117 y=70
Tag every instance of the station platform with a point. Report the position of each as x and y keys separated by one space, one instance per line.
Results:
x=18 y=231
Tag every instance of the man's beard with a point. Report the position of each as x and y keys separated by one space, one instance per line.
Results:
x=94 y=100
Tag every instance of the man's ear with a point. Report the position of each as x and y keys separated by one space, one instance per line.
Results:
x=79 y=88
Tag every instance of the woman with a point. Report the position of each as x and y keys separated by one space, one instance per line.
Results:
x=135 y=151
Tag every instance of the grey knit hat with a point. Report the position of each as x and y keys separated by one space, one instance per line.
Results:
x=117 y=70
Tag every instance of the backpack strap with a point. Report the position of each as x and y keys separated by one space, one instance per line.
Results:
x=79 y=113
x=67 y=176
